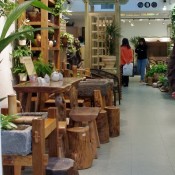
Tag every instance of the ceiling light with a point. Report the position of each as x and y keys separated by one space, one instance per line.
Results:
x=132 y=24
x=164 y=8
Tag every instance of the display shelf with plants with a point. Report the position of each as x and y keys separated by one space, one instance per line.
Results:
x=43 y=44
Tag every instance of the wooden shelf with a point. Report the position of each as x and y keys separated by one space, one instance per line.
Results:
x=44 y=23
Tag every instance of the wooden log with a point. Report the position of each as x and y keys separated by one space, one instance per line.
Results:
x=98 y=100
x=74 y=70
x=103 y=127
x=80 y=146
x=63 y=166
x=113 y=113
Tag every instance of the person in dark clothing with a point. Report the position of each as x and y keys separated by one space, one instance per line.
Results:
x=142 y=59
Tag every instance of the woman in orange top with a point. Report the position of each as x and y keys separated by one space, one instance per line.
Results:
x=125 y=58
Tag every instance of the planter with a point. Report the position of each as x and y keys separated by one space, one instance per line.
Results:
x=150 y=81
x=22 y=76
x=16 y=142
x=22 y=42
x=34 y=16
x=109 y=61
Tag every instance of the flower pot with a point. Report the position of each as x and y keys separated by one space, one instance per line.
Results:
x=22 y=42
x=22 y=76
x=34 y=16
x=109 y=61
x=16 y=142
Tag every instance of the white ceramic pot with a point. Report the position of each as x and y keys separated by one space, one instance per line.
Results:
x=109 y=61
x=56 y=76
x=22 y=76
x=22 y=42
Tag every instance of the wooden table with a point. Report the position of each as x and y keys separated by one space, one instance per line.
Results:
x=24 y=92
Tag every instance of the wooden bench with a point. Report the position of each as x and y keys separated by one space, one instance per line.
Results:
x=38 y=160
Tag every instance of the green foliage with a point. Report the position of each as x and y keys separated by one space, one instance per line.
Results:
x=6 y=122
x=19 y=52
x=59 y=7
x=1 y=99
x=27 y=35
x=12 y=17
x=6 y=7
x=157 y=68
x=42 y=68
x=164 y=81
x=112 y=31
x=135 y=40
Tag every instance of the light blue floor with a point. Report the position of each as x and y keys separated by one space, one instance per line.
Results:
x=146 y=145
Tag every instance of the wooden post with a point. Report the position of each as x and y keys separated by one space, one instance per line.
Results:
x=98 y=100
x=38 y=147
x=103 y=127
x=74 y=71
x=113 y=113
x=12 y=104
x=80 y=147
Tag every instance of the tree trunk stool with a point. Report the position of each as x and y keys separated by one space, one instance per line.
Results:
x=88 y=115
x=61 y=166
x=80 y=146
x=64 y=145
x=113 y=113
x=103 y=127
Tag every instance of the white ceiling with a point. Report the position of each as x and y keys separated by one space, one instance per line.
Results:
x=130 y=9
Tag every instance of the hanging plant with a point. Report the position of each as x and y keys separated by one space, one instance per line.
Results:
x=59 y=7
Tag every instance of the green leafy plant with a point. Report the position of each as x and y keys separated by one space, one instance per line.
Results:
x=134 y=40
x=160 y=68
x=12 y=17
x=7 y=122
x=6 y=7
x=59 y=7
x=42 y=68
x=112 y=31
x=19 y=52
x=27 y=35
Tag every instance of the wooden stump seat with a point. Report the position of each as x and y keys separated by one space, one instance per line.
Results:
x=80 y=146
x=61 y=166
x=87 y=115
x=103 y=127
x=113 y=113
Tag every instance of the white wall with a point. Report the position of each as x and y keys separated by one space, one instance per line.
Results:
x=6 y=87
x=144 y=29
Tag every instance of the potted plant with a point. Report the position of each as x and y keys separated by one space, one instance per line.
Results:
x=25 y=36
x=59 y=7
x=42 y=68
x=18 y=67
x=16 y=139
x=66 y=39
x=6 y=7
x=112 y=31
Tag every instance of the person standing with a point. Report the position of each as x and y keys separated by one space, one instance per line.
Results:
x=126 y=57
x=142 y=59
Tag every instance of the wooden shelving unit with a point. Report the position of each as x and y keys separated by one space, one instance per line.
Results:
x=48 y=53
x=98 y=46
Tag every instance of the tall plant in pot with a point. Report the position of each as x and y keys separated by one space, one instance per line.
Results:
x=112 y=32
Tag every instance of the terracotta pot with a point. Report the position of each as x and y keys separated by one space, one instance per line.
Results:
x=34 y=16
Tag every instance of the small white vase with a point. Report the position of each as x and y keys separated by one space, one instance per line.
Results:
x=22 y=42
x=22 y=76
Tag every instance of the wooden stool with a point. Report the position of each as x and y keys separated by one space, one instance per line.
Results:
x=113 y=113
x=103 y=127
x=88 y=115
x=61 y=166
x=80 y=146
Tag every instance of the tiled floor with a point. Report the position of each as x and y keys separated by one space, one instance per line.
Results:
x=146 y=145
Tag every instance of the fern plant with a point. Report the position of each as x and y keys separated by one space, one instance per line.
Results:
x=7 y=122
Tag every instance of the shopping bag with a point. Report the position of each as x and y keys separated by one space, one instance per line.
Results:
x=128 y=69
